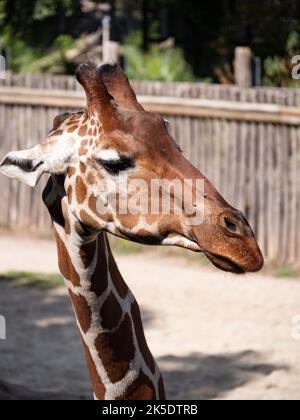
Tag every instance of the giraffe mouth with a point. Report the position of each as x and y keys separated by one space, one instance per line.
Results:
x=224 y=263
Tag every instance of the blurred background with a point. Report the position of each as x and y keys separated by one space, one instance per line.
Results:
x=151 y=36
x=225 y=74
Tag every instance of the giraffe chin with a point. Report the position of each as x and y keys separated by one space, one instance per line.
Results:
x=225 y=264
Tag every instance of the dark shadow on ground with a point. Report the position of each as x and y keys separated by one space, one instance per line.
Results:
x=202 y=377
x=43 y=353
x=11 y=392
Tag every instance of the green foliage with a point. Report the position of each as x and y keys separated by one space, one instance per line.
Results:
x=44 y=281
x=275 y=71
x=164 y=65
x=123 y=247
x=286 y=272
x=206 y=33
x=293 y=42
x=26 y=59
x=278 y=69
x=33 y=32
x=44 y=9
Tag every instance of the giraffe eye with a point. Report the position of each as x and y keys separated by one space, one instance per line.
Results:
x=114 y=167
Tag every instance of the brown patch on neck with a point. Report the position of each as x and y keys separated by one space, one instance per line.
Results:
x=136 y=315
x=81 y=190
x=82 y=310
x=111 y=313
x=98 y=387
x=116 y=350
x=100 y=277
x=141 y=389
x=87 y=253
x=161 y=389
x=65 y=264
x=119 y=283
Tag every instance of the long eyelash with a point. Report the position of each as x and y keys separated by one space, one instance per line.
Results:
x=167 y=125
x=115 y=166
x=179 y=148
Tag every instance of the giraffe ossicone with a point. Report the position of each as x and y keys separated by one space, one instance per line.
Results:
x=88 y=156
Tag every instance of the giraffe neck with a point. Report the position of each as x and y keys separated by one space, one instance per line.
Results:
x=120 y=363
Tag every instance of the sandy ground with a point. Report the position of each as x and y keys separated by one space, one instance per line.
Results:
x=214 y=335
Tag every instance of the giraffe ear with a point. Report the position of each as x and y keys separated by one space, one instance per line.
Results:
x=24 y=165
x=29 y=165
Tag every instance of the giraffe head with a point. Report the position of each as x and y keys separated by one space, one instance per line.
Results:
x=115 y=158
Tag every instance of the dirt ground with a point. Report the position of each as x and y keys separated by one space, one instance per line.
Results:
x=215 y=336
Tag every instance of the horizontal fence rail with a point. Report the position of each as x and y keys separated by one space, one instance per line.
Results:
x=280 y=96
x=197 y=108
x=246 y=141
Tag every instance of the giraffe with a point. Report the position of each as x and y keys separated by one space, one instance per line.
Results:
x=87 y=154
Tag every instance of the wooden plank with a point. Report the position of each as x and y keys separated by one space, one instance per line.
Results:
x=283 y=96
x=261 y=189
x=243 y=67
x=285 y=195
x=294 y=175
x=269 y=193
x=251 y=202
x=197 y=108
x=277 y=220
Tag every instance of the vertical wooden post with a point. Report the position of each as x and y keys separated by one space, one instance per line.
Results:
x=2 y=67
x=257 y=71
x=106 y=38
x=243 y=67
x=110 y=48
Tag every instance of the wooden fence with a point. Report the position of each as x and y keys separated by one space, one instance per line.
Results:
x=247 y=141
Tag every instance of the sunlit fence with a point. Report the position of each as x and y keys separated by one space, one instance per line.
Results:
x=247 y=141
